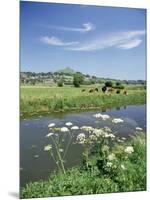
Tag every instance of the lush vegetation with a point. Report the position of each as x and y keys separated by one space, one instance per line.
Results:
x=37 y=100
x=67 y=75
x=119 y=167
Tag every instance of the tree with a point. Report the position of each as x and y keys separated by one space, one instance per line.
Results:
x=60 y=83
x=118 y=83
x=78 y=79
x=108 y=84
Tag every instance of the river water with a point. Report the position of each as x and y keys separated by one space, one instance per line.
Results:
x=36 y=164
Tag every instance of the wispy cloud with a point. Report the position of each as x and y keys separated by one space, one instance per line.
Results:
x=130 y=44
x=56 y=41
x=86 y=27
x=122 y=40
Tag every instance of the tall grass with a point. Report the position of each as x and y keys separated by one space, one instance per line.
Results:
x=35 y=100
x=129 y=174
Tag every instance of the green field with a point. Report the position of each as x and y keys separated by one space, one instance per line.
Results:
x=39 y=99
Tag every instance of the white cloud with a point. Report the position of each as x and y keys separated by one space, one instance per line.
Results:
x=87 y=27
x=56 y=41
x=130 y=44
x=122 y=40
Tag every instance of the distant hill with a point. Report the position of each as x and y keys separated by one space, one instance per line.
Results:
x=66 y=70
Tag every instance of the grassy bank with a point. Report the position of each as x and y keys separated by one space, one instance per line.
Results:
x=38 y=100
x=127 y=173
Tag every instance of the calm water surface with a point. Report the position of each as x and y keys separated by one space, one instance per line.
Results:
x=35 y=164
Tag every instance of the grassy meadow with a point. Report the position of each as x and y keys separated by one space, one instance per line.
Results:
x=36 y=100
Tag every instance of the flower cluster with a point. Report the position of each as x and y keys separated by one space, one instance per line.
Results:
x=100 y=116
x=129 y=150
x=117 y=120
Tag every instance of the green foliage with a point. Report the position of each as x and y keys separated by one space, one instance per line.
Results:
x=119 y=86
x=127 y=173
x=60 y=83
x=108 y=84
x=78 y=79
x=35 y=100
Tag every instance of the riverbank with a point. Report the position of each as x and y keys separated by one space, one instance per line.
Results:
x=127 y=173
x=38 y=101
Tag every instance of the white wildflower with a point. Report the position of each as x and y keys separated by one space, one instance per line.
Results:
x=75 y=128
x=48 y=147
x=123 y=167
x=117 y=120
x=138 y=129
x=123 y=138
x=109 y=164
x=105 y=148
x=61 y=150
x=121 y=141
x=106 y=135
x=87 y=128
x=111 y=156
x=93 y=137
x=49 y=134
x=129 y=150
x=81 y=138
x=36 y=156
x=64 y=129
x=69 y=124
x=107 y=129
x=98 y=132
x=103 y=117
x=112 y=135
x=51 y=125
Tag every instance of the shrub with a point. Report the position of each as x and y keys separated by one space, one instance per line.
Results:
x=60 y=83
x=108 y=84
x=78 y=79
x=121 y=87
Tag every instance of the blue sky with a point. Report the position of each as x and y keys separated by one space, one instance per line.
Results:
x=101 y=41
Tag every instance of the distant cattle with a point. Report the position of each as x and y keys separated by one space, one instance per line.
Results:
x=96 y=89
x=125 y=92
x=111 y=90
x=83 y=90
x=104 y=89
x=91 y=90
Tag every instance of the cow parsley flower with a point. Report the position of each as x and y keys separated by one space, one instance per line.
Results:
x=74 y=128
x=123 y=167
x=49 y=134
x=103 y=117
x=92 y=137
x=107 y=129
x=51 y=125
x=81 y=138
x=87 y=128
x=138 y=129
x=111 y=156
x=98 y=132
x=64 y=129
x=69 y=124
x=129 y=150
x=48 y=147
x=117 y=120
x=109 y=164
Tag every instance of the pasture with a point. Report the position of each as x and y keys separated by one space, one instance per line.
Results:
x=43 y=99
